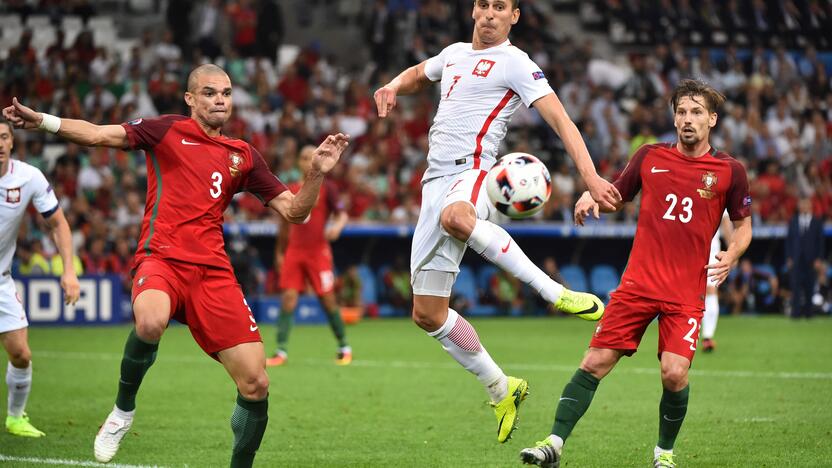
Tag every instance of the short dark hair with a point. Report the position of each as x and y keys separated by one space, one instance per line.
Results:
x=690 y=88
x=5 y=122
x=205 y=68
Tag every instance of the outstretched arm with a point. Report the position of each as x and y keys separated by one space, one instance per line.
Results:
x=587 y=205
x=408 y=82
x=296 y=207
x=553 y=112
x=77 y=131
x=62 y=237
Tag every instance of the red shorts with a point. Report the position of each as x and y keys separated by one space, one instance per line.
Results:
x=627 y=317
x=302 y=267
x=208 y=300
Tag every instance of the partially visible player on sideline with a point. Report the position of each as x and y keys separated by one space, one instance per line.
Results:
x=181 y=268
x=303 y=256
x=685 y=188
x=482 y=84
x=21 y=184
x=711 y=315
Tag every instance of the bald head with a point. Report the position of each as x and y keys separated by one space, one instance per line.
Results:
x=207 y=69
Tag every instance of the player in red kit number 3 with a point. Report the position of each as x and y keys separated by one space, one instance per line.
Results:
x=685 y=188
x=181 y=268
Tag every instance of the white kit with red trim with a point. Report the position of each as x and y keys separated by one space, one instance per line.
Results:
x=481 y=89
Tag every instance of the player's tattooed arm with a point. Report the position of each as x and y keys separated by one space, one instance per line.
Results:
x=79 y=132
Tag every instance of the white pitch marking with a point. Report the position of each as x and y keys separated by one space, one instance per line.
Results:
x=65 y=462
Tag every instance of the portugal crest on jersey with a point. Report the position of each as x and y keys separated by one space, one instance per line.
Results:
x=708 y=180
x=13 y=195
x=483 y=68
x=235 y=161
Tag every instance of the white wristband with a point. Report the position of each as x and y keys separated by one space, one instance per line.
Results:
x=50 y=123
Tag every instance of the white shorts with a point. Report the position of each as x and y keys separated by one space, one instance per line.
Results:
x=12 y=316
x=433 y=249
x=716 y=246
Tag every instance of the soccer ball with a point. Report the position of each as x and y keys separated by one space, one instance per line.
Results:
x=518 y=185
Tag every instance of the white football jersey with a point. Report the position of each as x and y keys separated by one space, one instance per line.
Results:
x=21 y=184
x=481 y=89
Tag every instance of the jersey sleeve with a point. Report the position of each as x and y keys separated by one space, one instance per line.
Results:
x=145 y=134
x=738 y=199
x=43 y=197
x=260 y=182
x=629 y=182
x=333 y=202
x=435 y=64
x=526 y=79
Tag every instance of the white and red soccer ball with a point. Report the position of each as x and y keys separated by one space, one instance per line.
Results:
x=518 y=185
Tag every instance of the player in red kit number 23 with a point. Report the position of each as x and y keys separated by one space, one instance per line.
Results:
x=685 y=187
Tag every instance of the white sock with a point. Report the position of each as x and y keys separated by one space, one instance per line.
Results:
x=658 y=451
x=121 y=414
x=460 y=340
x=711 y=316
x=19 y=384
x=557 y=442
x=497 y=246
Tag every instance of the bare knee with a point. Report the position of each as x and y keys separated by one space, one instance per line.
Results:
x=254 y=387
x=289 y=301
x=674 y=377
x=426 y=319
x=600 y=362
x=458 y=220
x=20 y=357
x=150 y=328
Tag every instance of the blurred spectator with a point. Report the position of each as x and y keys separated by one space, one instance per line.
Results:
x=397 y=284
x=31 y=259
x=752 y=290
x=348 y=287
x=804 y=254
x=506 y=291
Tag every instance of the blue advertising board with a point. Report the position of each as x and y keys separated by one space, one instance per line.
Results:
x=102 y=301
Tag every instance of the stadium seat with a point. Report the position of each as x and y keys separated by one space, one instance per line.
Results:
x=466 y=285
x=603 y=279
x=369 y=292
x=574 y=276
x=101 y=22
x=9 y=21
x=37 y=21
x=72 y=22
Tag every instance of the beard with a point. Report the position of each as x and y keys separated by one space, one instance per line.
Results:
x=689 y=139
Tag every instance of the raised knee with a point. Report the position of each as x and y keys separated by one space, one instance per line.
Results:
x=425 y=320
x=458 y=222
x=255 y=387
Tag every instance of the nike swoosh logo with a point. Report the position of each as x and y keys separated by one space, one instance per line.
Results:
x=186 y=142
x=505 y=249
x=672 y=420
x=588 y=311
x=252 y=327
x=653 y=170
x=570 y=399
x=449 y=65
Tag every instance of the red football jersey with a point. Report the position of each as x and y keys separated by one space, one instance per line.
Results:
x=310 y=236
x=191 y=179
x=682 y=202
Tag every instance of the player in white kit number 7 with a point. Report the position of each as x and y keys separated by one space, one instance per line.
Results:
x=20 y=184
x=482 y=84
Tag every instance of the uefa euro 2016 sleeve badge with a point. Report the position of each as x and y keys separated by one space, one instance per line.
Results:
x=709 y=180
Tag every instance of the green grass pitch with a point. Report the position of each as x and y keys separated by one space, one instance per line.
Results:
x=764 y=399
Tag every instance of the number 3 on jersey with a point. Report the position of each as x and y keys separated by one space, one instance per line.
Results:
x=686 y=208
x=216 y=186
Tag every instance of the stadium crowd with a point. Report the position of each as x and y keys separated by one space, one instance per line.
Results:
x=777 y=121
